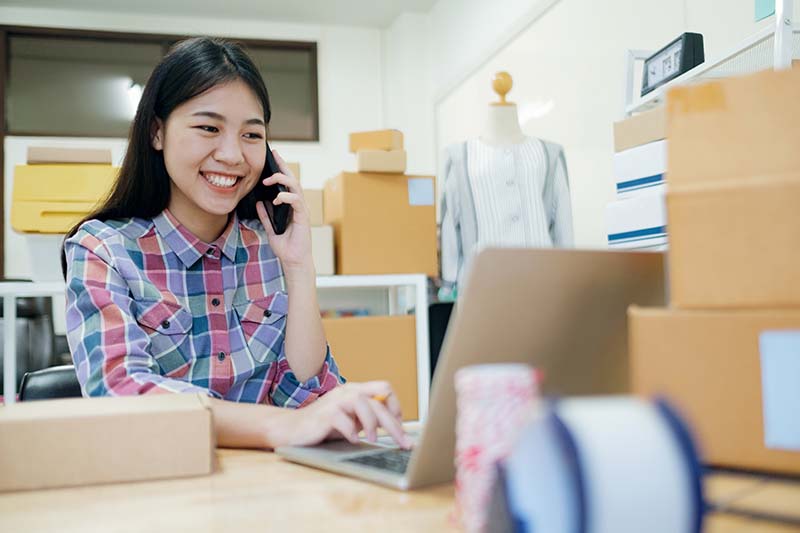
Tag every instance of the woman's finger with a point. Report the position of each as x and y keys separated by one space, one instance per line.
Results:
x=288 y=181
x=282 y=164
x=344 y=424
x=392 y=403
x=367 y=418
x=390 y=423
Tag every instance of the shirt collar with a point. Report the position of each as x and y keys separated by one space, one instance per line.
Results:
x=188 y=247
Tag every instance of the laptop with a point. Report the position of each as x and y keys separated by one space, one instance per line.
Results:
x=561 y=311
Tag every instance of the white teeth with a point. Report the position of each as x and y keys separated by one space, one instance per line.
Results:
x=220 y=180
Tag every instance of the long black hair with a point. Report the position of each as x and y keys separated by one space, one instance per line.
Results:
x=190 y=68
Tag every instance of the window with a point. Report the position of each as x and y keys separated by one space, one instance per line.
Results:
x=76 y=85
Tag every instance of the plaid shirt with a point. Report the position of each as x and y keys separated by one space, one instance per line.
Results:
x=153 y=309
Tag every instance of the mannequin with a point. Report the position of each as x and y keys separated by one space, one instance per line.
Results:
x=502 y=122
x=502 y=189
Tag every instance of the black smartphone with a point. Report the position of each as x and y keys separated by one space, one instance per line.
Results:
x=279 y=215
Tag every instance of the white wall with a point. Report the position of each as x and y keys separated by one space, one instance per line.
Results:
x=408 y=89
x=571 y=61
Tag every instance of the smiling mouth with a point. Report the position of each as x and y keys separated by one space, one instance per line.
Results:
x=222 y=181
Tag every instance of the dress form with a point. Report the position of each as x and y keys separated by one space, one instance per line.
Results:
x=501 y=125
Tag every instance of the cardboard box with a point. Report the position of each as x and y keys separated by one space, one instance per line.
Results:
x=82 y=441
x=638 y=223
x=736 y=245
x=393 y=161
x=322 y=250
x=641 y=168
x=708 y=364
x=52 y=198
x=376 y=140
x=641 y=129
x=378 y=348
x=316 y=213
x=47 y=154
x=383 y=223
x=735 y=127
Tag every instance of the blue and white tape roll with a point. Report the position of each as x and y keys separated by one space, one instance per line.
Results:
x=604 y=465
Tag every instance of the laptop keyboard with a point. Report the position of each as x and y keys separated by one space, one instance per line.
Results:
x=395 y=460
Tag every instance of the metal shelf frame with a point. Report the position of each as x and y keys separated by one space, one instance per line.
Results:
x=418 y=283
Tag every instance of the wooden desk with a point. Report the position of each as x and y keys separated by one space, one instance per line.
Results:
x=257 y=491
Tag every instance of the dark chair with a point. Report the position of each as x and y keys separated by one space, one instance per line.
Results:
x=50 y=383
x=438 y=318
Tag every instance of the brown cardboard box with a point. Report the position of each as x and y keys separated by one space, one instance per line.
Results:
x=322 y=249
x=640 y=129
x=735 y=245
x=315 y=206
x=392 y=161
x=383 y=223
x=47 y=154
x=736 y=127
x=80 y=441
x=376 y=140
x=378 y=348
x=707 y=363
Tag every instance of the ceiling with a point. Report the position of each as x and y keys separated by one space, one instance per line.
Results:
x=370 y=13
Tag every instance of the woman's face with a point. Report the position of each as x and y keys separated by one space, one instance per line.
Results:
x=214 y=150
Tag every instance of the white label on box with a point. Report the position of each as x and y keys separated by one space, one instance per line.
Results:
x=420 y=191
x=780 y=388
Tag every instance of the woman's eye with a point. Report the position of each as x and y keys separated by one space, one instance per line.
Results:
x=253 y=136
x=208 y=129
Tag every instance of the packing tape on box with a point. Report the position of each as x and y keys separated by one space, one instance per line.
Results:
x=601 y=465
x=493 y=402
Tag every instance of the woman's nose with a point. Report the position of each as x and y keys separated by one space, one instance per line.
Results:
x=228 y=150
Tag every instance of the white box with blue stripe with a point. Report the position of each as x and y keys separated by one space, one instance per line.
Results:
x=641 y=169
x=638 y=223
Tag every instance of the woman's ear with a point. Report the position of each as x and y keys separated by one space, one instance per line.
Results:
x=157 y=134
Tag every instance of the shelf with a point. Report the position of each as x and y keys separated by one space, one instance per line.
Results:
x=752 y=55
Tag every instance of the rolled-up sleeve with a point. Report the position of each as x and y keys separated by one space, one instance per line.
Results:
x=109 y=347
x=288 y=391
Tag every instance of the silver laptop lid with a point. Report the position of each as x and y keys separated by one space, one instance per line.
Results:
x=562 y=311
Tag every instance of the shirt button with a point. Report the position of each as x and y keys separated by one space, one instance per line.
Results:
x=510 y=183
x=165 y=324
x=267 y=313
x=221 y=356
x=515 y=218
x=215 y=302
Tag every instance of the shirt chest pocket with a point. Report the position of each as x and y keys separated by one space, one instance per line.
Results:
x=168 y=325
x=263 y=322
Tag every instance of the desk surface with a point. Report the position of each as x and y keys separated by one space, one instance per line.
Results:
x=258 y=491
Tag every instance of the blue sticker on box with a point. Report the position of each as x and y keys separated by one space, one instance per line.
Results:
x=420 y=191
x=780 y=388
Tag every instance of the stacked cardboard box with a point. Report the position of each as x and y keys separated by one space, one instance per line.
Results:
x=636 y=219
x=379 y=151
x=728 y=351
x=384 y=222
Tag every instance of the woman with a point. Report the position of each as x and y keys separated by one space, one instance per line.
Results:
x=176 y=282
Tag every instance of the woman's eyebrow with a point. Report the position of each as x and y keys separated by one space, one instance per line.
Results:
x=217 y=116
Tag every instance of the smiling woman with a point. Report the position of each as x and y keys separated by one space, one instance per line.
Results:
x=178 y=283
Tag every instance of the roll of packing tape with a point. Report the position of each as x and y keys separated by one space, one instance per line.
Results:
x=494 y=402
x=602 y=465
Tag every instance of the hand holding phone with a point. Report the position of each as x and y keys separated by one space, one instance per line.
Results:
x=279 y=215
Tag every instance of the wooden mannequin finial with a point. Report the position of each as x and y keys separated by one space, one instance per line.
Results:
x=502 y=83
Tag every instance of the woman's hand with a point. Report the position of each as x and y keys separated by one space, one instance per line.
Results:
x=293 y=248
x=344 y=411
